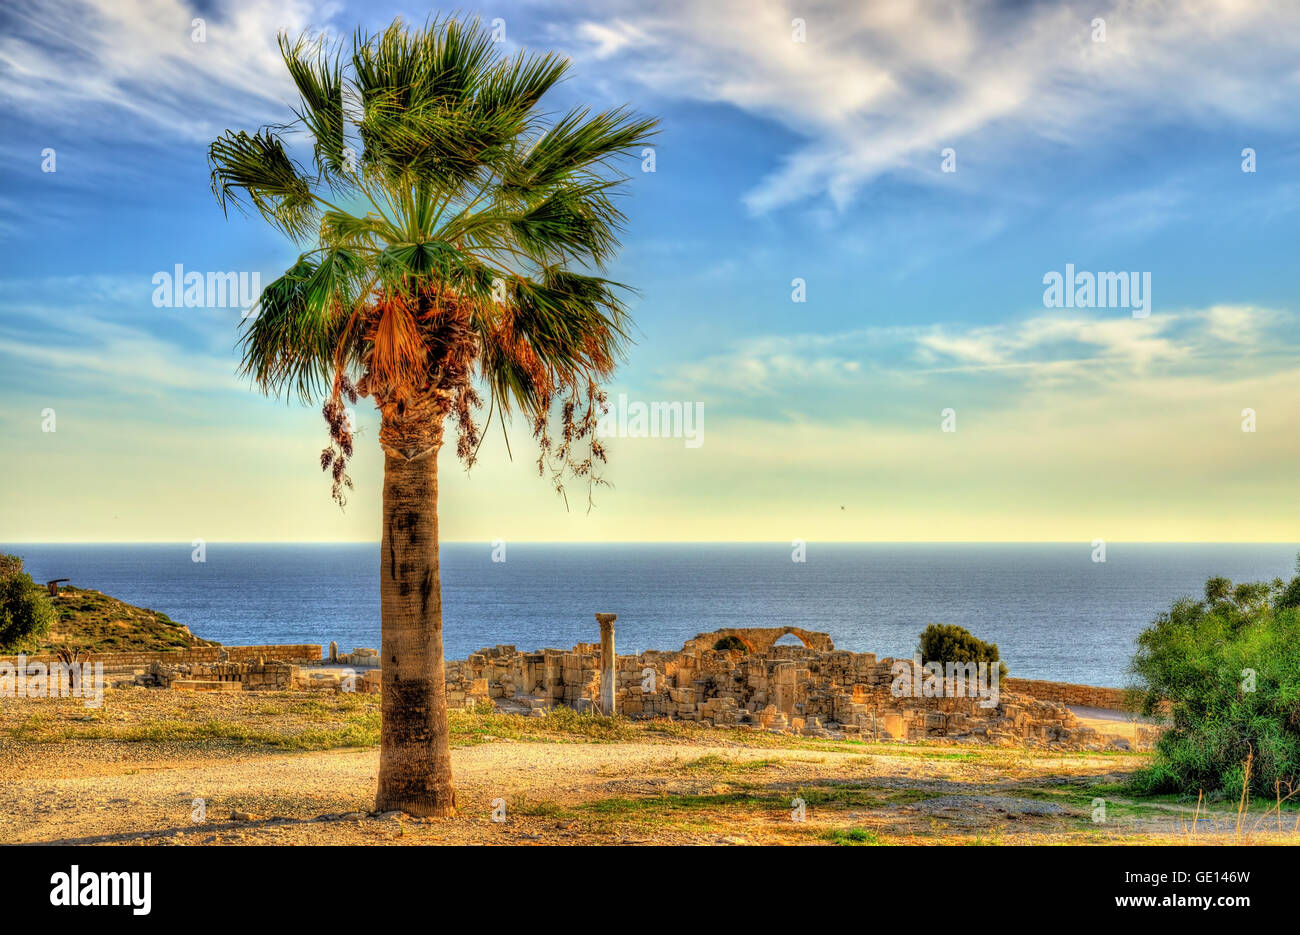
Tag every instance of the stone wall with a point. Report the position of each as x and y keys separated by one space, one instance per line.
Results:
x=221 y=676
x=815 y=692
x=1066 y=693
x=306 y=654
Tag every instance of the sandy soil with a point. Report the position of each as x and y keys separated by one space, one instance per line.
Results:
x=308 y=798
x=707 y=787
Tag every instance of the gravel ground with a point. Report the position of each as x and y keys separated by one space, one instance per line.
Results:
x=132 y=772
x=137 y=795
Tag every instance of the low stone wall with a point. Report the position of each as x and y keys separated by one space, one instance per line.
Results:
x=1090 y=696
x=211 y=676
x=304 y=653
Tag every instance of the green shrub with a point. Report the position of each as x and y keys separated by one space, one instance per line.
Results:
x=729 y=643
x=1228 y=668
x=946 y=642
x=25 y=610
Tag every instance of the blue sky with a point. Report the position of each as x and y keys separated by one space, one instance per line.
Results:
x=818 y=160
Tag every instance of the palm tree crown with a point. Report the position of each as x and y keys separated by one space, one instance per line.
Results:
x=453 y=238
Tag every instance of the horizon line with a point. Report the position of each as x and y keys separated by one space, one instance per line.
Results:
x=615 y=542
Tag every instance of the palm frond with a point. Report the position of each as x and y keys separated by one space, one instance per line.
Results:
x=471 y=266
x=578 y=219
x=318 y=75
x=515 y=86
x=341 y=229
x=559 y=330
x=288 y=344
x=574 y=145
x=257 y=166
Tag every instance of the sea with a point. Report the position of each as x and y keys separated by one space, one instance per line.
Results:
x=1054 y=612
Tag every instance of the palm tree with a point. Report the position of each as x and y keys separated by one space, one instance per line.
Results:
x=453 y=236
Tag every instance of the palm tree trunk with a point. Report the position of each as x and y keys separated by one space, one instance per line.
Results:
x=415 y=750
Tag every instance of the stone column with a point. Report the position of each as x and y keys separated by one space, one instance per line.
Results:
x=607 y=676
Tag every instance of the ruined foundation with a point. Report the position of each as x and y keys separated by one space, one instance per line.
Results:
x=730 y=677
x=813 y=690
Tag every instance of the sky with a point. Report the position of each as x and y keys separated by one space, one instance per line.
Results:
x=839 y=260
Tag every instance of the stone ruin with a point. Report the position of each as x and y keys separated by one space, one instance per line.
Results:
x=813 y=690
x=731 y=677
x=262 y=675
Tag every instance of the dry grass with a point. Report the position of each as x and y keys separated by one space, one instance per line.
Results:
x=570 y=778
x=89 y=621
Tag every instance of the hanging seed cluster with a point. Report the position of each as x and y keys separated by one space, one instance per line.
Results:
x=420 y=351
x=334 y=457
x=580 y=412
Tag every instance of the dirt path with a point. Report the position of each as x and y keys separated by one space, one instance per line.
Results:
x=142 y=796
x=620 y=793
x=1110 y=723
x=284 y=768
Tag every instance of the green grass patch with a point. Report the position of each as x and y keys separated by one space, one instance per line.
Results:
x=852 y=837
x=364 y=733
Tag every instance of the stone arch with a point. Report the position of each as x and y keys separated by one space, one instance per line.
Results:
x=819 y=642
x=761 y=639
x=791 y=638
x=749 y=646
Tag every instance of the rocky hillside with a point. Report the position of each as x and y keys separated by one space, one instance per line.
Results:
x=93 y=622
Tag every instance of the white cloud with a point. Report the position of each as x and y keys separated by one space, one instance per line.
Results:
x=1052 y=341
x=113 y=62
x=130 y=359
x=1047 y=351
x=884 y=86
x=104 y=331
x=1238 y=324
x=609 y=39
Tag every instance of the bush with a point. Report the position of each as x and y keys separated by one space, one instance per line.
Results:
x=25 y=610
x=946 y=642
x=1228 y=667
x=728 y=643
